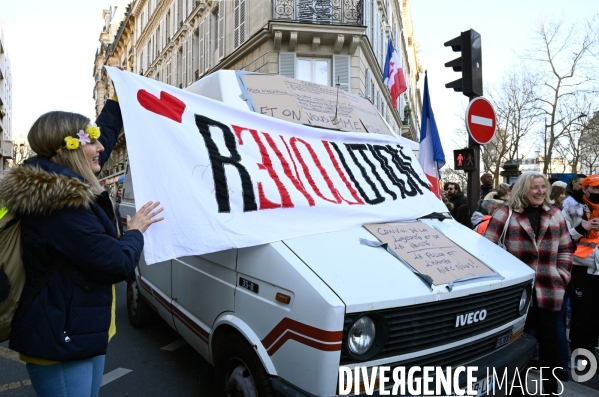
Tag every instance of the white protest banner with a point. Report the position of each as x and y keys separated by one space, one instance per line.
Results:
x=233 y=179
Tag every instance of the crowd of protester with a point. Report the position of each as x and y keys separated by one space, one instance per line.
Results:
x=553 y=227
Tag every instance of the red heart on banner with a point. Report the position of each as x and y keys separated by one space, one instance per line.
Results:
x=167 y=106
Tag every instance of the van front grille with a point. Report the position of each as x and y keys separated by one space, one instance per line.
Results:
x=420 y=327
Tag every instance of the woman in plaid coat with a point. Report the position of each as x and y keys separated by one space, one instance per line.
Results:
x=537 y=234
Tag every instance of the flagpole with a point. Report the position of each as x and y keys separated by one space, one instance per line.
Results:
x=438 y=184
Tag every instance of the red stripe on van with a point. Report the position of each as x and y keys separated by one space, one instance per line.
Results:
x=193 y=326
x=329 y=347
x=301 y=328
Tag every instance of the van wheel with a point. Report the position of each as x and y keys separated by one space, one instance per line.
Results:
x=239 y=371
x=139 y=312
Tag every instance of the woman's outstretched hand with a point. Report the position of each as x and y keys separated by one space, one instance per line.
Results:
x=144 y=217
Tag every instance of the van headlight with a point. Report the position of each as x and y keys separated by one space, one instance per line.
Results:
x=525 y=300
x=366 y=336
x=361 y=335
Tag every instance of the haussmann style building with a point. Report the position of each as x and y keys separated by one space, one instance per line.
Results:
x=6 y=145
x=322 y=41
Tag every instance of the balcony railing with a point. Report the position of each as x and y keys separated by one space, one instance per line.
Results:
x=322 y=12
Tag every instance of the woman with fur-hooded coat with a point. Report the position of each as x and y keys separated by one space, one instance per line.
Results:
x=69 y=230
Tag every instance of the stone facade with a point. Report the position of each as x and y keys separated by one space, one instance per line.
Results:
x=6 y=145
x=337 y=41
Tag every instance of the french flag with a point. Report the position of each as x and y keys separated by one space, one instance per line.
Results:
x=393 y=75
x=431 y=156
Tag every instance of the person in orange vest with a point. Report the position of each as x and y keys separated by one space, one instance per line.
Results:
x=581 y=211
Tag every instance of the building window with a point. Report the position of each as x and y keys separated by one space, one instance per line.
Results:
x=317 y=70
x=158 y=41
x=179 y=14
x=196 y=52
x=214 y=18
x=167 y=25
x=239 y=23
x=221 y=28
x=180 y=69
x=314 y=70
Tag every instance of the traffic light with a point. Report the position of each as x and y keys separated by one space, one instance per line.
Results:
x=464 y=160
x=470 y=64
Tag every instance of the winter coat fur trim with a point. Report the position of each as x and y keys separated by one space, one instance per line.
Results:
x=34 y=192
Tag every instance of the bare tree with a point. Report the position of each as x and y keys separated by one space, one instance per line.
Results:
x=570 y=146
x=21 y=152
x=565 y=57
x=514 y=102
x=451 y=175
x=589 y=144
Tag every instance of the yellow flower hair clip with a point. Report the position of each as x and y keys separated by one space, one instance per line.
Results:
x=71 y=143
x=91 y=133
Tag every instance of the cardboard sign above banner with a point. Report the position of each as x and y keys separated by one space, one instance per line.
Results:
x=319 y=105
x=428 y=251
x=273 y=97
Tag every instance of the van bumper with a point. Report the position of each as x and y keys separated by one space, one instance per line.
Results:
x=514 y=356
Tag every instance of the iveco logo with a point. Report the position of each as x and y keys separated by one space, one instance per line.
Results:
x=469 y=318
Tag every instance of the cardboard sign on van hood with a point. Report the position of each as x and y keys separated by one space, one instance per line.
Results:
x=232 y=179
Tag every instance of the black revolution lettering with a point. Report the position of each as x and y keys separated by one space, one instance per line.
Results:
x=218 y=162
x=363 y=149
x=405 y=167
x=350 y=147
x=401 y=185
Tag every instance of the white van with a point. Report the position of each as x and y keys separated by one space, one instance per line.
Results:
x=281 y=318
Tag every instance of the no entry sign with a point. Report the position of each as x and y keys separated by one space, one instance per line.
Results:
x=480 y=120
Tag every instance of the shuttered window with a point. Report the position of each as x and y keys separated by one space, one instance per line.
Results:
x=375 y=35
x=367 y=16
x=190 y=60
x=221 y=28
x=342 y=72
x=179 y=19
x=207 y=47
x=177 y=77
x=239 y=21
x=183 y=78
x=287 y=64
x=196 y=55
x=368 y=92
x=201 y=49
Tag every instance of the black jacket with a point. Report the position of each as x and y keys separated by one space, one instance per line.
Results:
x=66 y=223
x=457 y=200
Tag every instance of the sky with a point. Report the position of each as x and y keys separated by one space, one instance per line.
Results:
x=51 y=46
x=505 y=27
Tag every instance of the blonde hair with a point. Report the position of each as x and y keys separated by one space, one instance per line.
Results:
x=46 y=138
x=521 y=188
x=503 y=189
